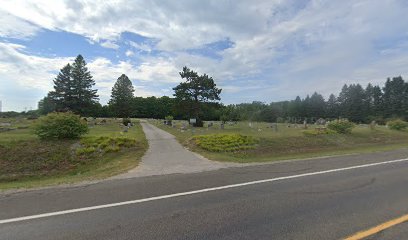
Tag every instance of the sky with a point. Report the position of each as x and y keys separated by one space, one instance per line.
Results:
x=257 y=50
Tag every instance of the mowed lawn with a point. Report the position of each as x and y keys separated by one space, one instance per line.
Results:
x=26 y=161
x=289 y=141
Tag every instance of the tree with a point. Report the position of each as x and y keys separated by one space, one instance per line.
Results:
x=122 y=97
x=352 y=103
x=317 y=106
x=395 y=97
x=83 y=94
x=46 y=105
x=195 y=91
x=332 y=107
x=62 y=96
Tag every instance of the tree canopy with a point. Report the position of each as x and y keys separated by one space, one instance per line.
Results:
x=122 y=97
x=73 y=88
x=196 y=89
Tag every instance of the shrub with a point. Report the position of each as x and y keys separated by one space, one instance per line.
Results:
x=85 y=151
x=104 y=144
x=126 y=121
x=60 y=126
x=225 y=142
x=341 y=126
x=397 y=124
x=224 y=118
x=317 y=132
x=169 y=118
x=199 y=123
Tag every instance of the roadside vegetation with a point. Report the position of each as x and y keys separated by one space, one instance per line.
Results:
x=37 y=150
x=106 y=150
x=270 y=142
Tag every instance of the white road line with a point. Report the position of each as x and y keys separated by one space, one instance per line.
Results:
x=50 y=214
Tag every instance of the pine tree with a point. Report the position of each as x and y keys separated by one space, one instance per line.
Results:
x=395 y=97
x=46 y=105
x=195 y=91
x=62 y=94
x=83 y=95
x=317 y=106
x=122 y=97
x=332 y=107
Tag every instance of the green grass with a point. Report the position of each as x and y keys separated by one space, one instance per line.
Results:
x=289 y=142
x=26 y=161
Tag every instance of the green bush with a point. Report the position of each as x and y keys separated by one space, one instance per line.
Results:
x=104 y=144
x=169 y=118
x=85 y=151
x=397 y=124
x=225 y=142
x=317 y=132
x=60 y=126
x=126 y=121
x=341 y=126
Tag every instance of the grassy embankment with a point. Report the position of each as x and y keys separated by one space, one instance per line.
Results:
x=26 y=161
x=288 y=143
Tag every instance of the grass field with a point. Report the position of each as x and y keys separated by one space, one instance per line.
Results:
x=26 y=161
x=289 y=142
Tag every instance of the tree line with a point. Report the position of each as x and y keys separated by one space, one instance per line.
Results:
x=358 y=104
x=198 y=97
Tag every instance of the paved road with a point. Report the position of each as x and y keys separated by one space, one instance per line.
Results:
x=328 y=205
x=167 y=156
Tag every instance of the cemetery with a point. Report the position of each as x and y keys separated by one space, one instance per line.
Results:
x=276 y=141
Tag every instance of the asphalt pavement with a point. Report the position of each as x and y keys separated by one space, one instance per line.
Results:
x=167 y=156
x=329 y=205
x=324 y=198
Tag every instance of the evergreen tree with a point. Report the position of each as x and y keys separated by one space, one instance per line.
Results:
x=395 y=97
x=46 y=105
x=317 y=106
x=332 y=107
x=62 y=94
x=122 y=97
x=295 y=109
x=83 y=94
x=378 y=105
x=369 y=100
x=195 y=91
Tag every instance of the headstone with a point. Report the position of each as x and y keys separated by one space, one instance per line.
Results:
x=372 y=125
x=222 y=125
x=305 y=124
x=250 y=124
x=125 y=129
x=320 y=121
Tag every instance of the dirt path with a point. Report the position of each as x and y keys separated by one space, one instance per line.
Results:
x=167 y=156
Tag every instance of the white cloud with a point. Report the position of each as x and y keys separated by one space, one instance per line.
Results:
x=285 y=48
x=140 y=46
x=14 y=27
x=109 y=44
x=129 y=53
